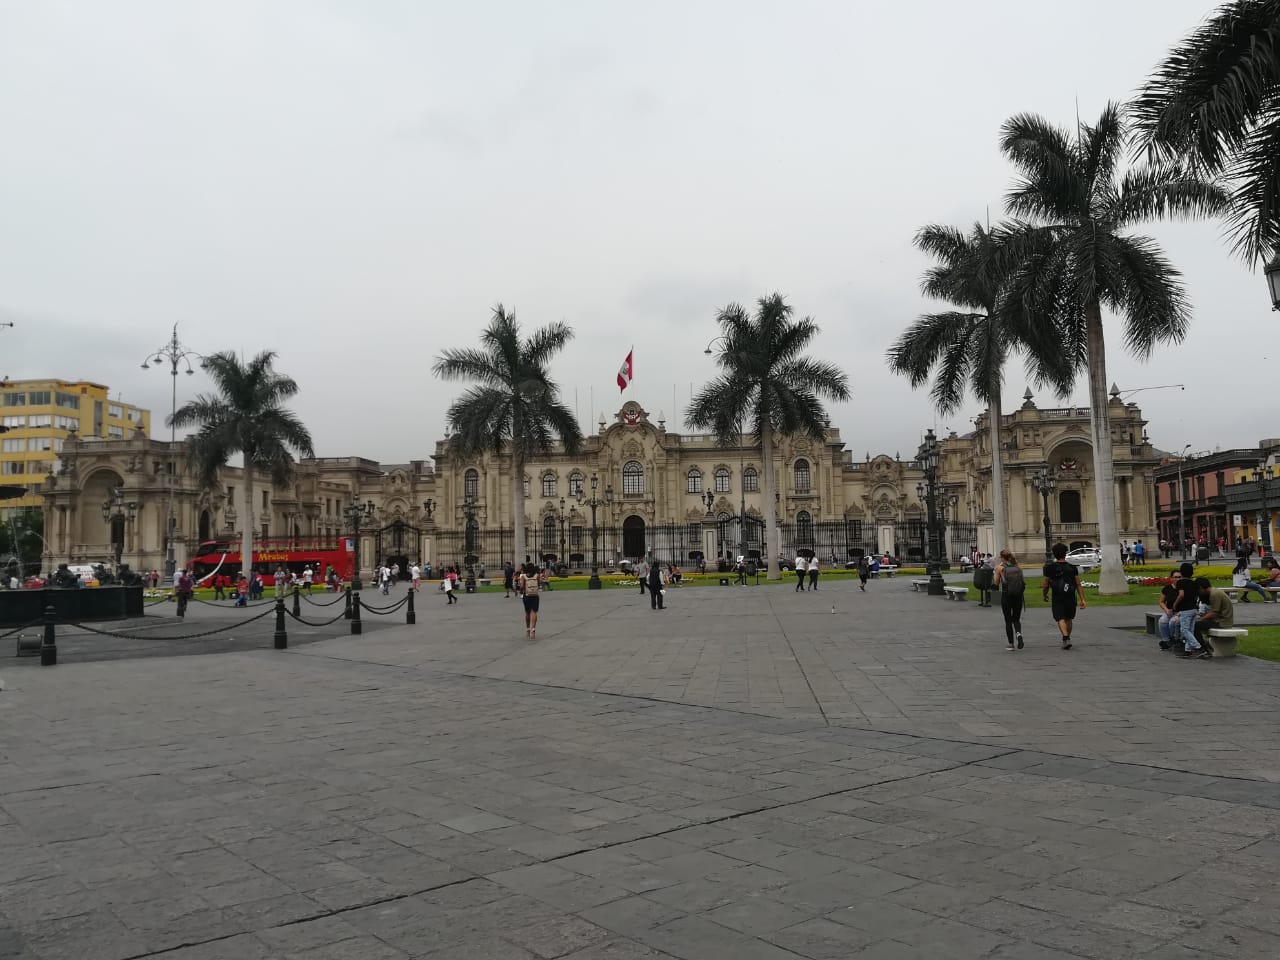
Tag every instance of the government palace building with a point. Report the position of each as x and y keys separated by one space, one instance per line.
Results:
x=642 y=490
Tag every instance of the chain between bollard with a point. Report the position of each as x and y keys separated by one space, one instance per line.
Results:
x=383 y=610
x=321 y=623
x=189 y=636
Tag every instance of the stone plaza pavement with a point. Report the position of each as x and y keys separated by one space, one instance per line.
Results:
x=743 y=775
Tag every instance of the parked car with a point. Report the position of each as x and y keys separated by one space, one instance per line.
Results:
x=33 y=583
x=1086 y=558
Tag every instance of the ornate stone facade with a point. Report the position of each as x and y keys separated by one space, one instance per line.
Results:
x=658 y=480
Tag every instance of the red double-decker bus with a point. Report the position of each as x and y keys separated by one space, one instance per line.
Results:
x=321 y=554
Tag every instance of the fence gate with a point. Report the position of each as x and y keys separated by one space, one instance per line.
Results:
x=398 y=543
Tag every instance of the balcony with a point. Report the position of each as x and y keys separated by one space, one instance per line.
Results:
x=1081 y=530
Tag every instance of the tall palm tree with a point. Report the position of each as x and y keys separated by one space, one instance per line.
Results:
x=1216 y=98
x=515 y=406
x=246 y=416
x=1080 y=258
x=766 y=382
x=969 y=347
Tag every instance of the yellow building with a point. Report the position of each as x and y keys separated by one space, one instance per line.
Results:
x=36 y=418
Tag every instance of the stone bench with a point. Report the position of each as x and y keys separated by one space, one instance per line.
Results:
x=1224 y=640
x=1153 y=623
x=921 y=585
x=955 y=593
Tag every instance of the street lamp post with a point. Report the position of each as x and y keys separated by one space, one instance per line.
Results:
x=1272 y=270
x=469 y=513
x=1182 y=517
x=177 y=355
x=1045 y=482
x=594 y=583
x=118 y=513
x=928 y=455
x=562 y=557
x=1265 y=525
x=358 y=515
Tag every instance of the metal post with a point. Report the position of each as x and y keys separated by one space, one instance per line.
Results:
x=409 y=616
x=49 y=648
x=1266 y=513
x=347 y=609
x=356 y=626
x=1048 y=534
x=594 y=583
x=297 y=602
x=1182 y=519
x=281 y=636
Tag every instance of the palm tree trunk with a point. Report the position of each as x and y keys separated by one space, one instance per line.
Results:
x=999 y=513
x=517 y=511
x=246 y=536
x=1111 y=579
x=772 y=542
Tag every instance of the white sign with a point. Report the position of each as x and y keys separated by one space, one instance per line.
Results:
x=1235 y=519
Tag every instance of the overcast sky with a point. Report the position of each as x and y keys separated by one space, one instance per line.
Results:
x=355 y=184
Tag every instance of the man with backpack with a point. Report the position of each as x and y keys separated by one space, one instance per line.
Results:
x=1013 y=586
x=1062 y=580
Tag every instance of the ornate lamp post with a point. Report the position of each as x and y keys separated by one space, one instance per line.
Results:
x=117 y=513
x=562 y=557
x=358 y=515
x=1045 y=483
x=1264 y=474
x=1272 y=270
x=928 y=455
x=428 y=505
x=469 y=512
x=594 y=583
x=177 y=355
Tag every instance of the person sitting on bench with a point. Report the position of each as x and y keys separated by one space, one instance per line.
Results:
x=1167 y=625
x=1241 y=579
x=1215 y=611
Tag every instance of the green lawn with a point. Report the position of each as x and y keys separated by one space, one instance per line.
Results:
x=1262 y=642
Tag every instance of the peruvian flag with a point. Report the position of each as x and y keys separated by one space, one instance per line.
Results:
x=626 y=372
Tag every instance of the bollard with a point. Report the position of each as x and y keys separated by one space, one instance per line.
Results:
x=355 y=614
x=346 y=612
x=409 y=615
x=282 y=636
x=49 y=649
x=297 y=602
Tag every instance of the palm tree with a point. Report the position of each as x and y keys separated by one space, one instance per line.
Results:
x=1080 y=258
x=515 y=406
x=767 y=383
x=245 y=416
x=969 y=347
x=1216 y=98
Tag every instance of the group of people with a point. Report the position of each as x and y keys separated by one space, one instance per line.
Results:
x=1190 y=606
x=1060 y=588
x=807 y=568
x=1135 y=553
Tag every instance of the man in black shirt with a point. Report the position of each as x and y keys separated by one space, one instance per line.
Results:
x=1062 y=580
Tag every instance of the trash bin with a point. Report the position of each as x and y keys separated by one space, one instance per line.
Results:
x=1202 y=554
x=751 y=568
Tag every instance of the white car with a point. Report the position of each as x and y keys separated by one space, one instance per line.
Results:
x=1086 y=558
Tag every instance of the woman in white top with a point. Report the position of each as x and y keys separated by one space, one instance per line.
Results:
x=813 y=573
x=801 y=569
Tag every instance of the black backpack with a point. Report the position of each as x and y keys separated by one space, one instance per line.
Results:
x=1013 y=580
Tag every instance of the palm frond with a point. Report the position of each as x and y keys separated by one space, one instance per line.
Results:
x=1101 y=147
x=1166 y=191
x=1148 y=292
x=1254 y=221
x=1052 y=188
x=1210 y=91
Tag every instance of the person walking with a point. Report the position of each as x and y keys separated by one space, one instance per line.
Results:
x=1139 y=554
x=242 y=591
x=415 y=575
x=813 y=573
x=184 y=589
x=1013 y=587
x=308 y=578
x=801 y=569
x=531 y=589
x=218 y=590
x=446 y=584
x=508 y=578
x=656 y=594
x=281 y=580
x=864 y=572
x=1062 y=579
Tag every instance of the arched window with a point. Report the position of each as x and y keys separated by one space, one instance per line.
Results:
x=802 y=475
x=575 y=485
x=804 y=528
x=694 y=481
x=1069 y=507
x=750 y=480
x=549 y=485
x=471 y=483
x=722 y=480
x=632 y=478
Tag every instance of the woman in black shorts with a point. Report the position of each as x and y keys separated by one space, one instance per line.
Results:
x=530 y=586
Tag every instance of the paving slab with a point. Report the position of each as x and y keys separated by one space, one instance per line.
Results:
x=743 y=774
